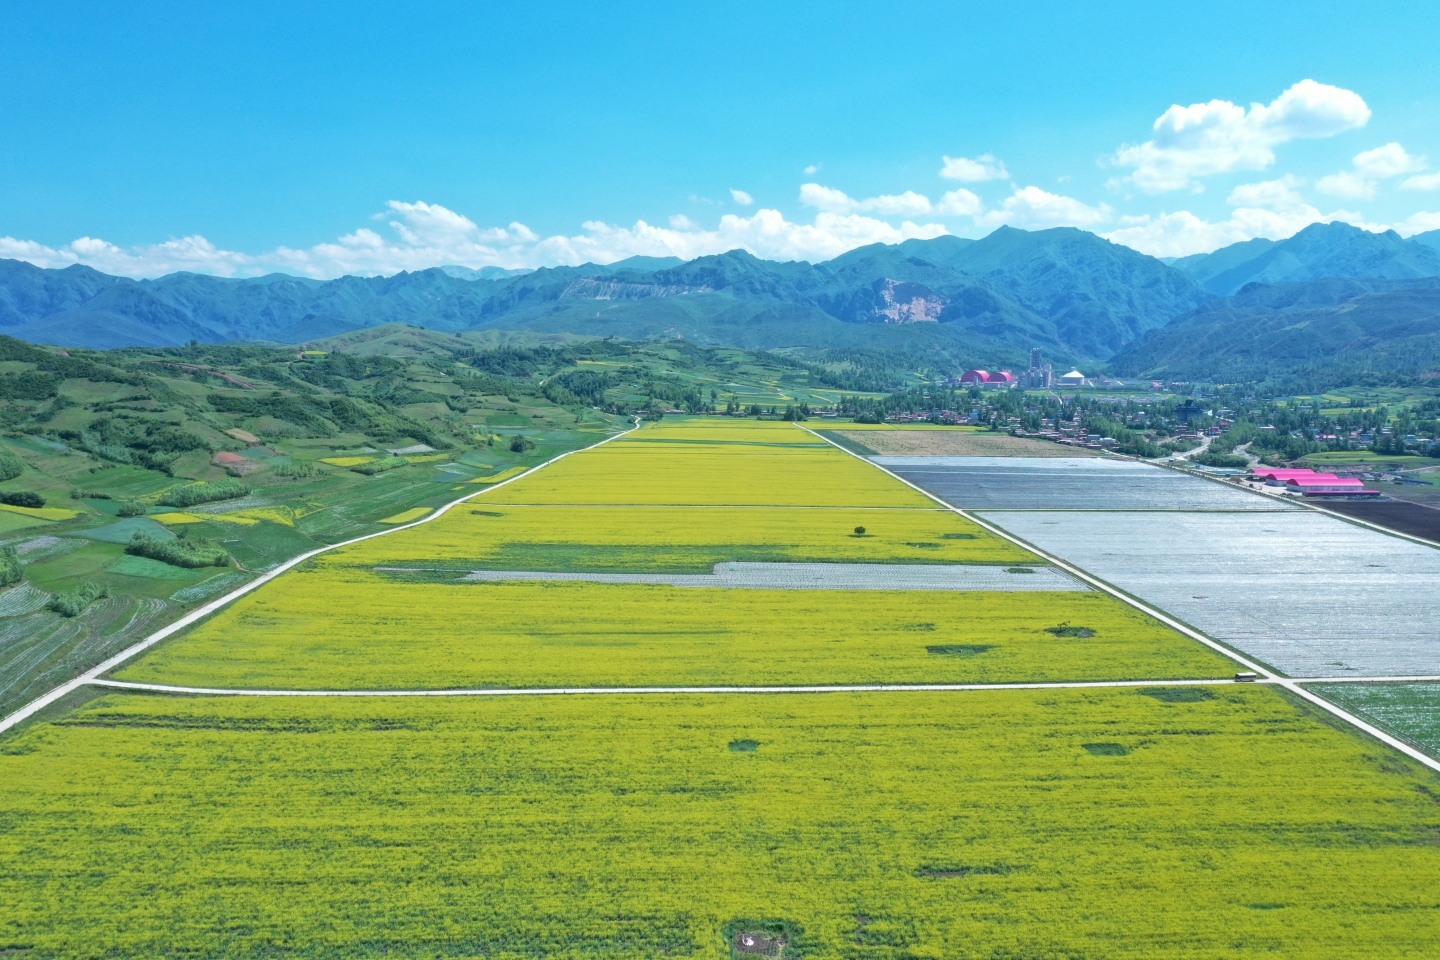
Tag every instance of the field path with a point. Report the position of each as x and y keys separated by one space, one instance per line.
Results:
x=637 y=691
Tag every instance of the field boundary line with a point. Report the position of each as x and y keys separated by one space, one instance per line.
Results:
x=94 y=673
x=780 y=688
x=1288 y=683
x=622 y=691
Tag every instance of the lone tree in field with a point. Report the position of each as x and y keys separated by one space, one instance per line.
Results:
x=859 y=531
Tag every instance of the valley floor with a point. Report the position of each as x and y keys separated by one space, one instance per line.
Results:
x=1166 y=818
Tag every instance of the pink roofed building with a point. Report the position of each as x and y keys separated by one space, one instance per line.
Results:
x=983 y=377
x=1313 y=484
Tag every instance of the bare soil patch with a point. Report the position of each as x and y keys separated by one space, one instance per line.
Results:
x=1418 y=520
x=956 y=443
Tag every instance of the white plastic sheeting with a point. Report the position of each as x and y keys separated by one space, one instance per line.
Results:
x=1066 y=483
x=1307 y=593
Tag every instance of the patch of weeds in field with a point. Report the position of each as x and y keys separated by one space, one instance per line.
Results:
x=1106 y=749
x=1065 y=630
x=958 y=871
x=959 y=649
x=871 y=931
x=744 y=746
x=1178 y=694
x=1018 y=570
x=424 y=576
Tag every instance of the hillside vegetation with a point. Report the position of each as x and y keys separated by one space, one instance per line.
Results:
x=136 y=484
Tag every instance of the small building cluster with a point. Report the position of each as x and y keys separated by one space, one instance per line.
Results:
x=1312 y=484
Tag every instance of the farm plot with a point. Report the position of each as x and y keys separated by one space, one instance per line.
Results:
x=1018 y=483
x=1410 y=711
x=372 y=632
x=1115 y=823
x=1309 y=594
x=483 y=533
x=955 y=443
x=818 y=576
x=40 y=649
x=785 y=469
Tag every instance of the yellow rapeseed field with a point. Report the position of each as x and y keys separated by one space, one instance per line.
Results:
x=372 y=633
x=502 y=475
x=712 y=475
x=721 y=430
x=481 y=533
x=42 y=513
x=975 y=826
x=182 y=518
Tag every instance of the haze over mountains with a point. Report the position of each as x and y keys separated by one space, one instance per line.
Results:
x=950 y=302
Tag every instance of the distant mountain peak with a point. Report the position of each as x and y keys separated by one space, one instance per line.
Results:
x=1335 y=249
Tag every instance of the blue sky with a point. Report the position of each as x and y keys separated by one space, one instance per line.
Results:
x=367 y=138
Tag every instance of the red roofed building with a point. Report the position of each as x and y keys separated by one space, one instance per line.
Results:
x=983 y=377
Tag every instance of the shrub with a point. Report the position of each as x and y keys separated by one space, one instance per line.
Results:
x=178 y=553
x=520 y=443
x=22 y=498
x=11 y=569
x=72 y=603
x=195 y=493
x=132 y=508
x=379 y=466
x=1229 y=461
x=10 y=467
x=296 y=469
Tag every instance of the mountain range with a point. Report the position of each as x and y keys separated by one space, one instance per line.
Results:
x=989 y=300
x=946 y=302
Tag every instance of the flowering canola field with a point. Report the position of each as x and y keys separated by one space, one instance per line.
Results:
x=879 y=826
x=372 y=633
x=1146 y=822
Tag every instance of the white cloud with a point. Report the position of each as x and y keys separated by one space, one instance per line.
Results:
x=982 y=168
x=1388 y=161
x=1281 y=194
x=741 y=197
x=1274 y=209
x=194 y=254
x=1350 y=184
x=1220 y=137
x=1421 y=222
x=1036 y=209
x=1370 y=167
x=1429 y=181
x=960 y=202
x=811 y=170
x=831 y=200
x=422 y=235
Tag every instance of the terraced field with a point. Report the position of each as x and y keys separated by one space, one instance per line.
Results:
x=1166 y=819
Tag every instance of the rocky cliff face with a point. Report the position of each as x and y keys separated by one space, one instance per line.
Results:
x=899 y=302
